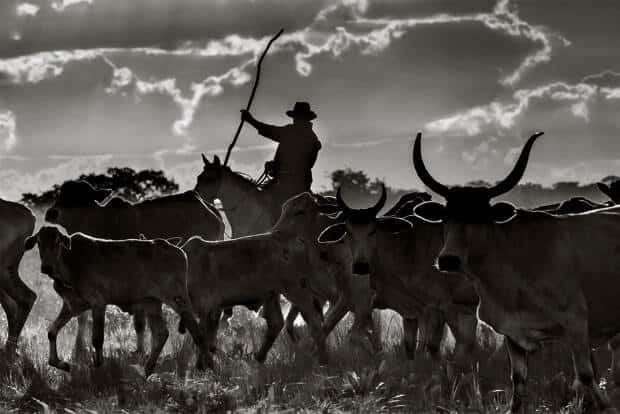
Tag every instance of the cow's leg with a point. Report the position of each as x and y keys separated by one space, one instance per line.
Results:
x=410 y=336
x=21 y=301
x=293 y=312
x=614 y=347
x=98 y=334
x=585 y=376
x=139 y=324
x=275 y=321
x=79 y=348
x=209 y=325
x=518 y=374
x=181 y=304
x=335 y=313
x=159 y=335
x=432 y=332
x=61 y=320
x=464 y=331
x=314 y=319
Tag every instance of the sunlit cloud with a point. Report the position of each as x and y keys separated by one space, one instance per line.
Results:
x=8 y=131
x=504 y=115
x=27 y=9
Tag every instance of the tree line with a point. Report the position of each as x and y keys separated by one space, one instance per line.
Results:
x=360 y=188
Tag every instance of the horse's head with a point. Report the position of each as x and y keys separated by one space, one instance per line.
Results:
x=209 y=181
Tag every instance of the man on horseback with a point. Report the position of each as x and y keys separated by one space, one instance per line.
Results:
x=298 y=148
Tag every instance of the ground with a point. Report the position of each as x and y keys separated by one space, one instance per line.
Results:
x=355 y=380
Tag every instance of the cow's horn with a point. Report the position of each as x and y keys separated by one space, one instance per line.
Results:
x=420 y=169
x=517 y=172
x=343 y=206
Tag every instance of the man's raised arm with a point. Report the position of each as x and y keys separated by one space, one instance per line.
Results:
x=268 y=131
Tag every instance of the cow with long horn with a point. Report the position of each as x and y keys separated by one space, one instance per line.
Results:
x=398 y=254
x=538 y=276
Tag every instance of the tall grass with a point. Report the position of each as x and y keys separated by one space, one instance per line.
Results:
x=358 y=377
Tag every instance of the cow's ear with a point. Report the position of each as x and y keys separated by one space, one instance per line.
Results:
x=65 y=242
x=329 y=209
x=503 y=212
x=333 y=234
x=431 y=211
x=176 y=241
x=605 y=189
x=216 y=161
x=102 y=194
x=31 y=242
x=205 y=160
x=393 y=225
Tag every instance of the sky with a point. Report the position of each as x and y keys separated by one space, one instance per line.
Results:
x=85 y=85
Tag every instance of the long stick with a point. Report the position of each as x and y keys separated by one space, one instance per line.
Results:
x=247 y=108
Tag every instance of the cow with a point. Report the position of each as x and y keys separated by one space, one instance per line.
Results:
x=247 y=209
x=538 y=276
x=398 y=254
x=16 y=224
x=79 y=207
x=90 y=273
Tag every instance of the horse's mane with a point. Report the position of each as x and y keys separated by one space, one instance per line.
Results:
x=246 y=179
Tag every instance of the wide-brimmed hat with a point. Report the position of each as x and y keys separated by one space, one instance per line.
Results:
x=302 y=110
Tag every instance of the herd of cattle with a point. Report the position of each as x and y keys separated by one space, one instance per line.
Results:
x=532 y=275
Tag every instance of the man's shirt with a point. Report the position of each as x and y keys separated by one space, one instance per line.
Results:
x=297 y=150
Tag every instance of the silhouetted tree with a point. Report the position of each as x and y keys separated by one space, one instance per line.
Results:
x=125 y=182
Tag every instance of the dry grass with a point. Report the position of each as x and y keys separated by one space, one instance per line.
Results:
x=356 y=379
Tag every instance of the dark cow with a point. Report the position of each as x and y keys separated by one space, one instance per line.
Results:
x=16 y=224
x=398 y=254
x=538 y=276
x=90 y=273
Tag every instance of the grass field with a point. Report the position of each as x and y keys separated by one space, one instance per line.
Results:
x=357 y=379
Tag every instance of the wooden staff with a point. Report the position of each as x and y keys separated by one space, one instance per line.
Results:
x=247 y=108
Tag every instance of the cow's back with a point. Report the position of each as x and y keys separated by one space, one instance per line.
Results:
x=16 y=223
x=120 y=269
x=180 y=215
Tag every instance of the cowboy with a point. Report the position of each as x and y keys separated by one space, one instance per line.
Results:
x=298 y=148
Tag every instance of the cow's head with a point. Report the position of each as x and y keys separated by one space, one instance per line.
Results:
x=303 y=215
x=209 y=181
x=51 y=244
x=74 y=195
x=359 y=228
x=611 y=190
x=468 y=210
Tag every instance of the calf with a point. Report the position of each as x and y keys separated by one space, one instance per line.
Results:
x=16 y=224
x=90 y=273
x=79 y=207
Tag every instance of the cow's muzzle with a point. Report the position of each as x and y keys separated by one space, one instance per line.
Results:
x=449 y=263
x=361 y=268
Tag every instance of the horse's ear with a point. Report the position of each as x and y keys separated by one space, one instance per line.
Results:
x=216 y=161
x=31 y=241
x=205 y=160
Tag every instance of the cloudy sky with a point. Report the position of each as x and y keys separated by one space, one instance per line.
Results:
x=152 y=83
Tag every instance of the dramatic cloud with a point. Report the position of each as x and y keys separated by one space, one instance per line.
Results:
x=8 y=135
x=497 y=116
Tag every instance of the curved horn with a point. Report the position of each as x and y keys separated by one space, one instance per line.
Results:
x=420 y=169
x=343 y=206
x=374 y=210
x=517 y=172
x=369 y=212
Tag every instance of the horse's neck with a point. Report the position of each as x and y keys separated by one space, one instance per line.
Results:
x=246 y=208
